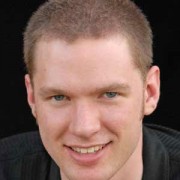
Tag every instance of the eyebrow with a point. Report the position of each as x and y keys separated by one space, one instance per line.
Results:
x=124 y=88
x=51 y=90
x=114 y=87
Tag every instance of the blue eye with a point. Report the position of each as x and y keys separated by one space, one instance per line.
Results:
x=59 y=97
x=111 y=94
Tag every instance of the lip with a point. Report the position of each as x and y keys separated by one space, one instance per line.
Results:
x=87 y=159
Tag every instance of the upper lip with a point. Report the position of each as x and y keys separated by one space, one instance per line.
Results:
x=88 y=150
x=87 y=146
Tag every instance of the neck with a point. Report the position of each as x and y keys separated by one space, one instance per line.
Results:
x=133 y=169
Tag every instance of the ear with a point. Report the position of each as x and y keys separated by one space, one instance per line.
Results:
x=152 y=90
x=30 y=94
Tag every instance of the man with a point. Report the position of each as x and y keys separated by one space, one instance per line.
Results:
x=90 y=82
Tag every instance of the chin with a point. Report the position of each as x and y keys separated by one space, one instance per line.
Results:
x=88 y=173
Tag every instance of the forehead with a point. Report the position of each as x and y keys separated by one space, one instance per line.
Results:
x=85 y=62
x=115 y=46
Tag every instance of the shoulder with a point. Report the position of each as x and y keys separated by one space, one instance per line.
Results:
x=170 y=138
x=169 y=142
x=20 y=145
x=24 y=156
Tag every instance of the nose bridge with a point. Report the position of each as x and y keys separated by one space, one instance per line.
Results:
x=85 y=120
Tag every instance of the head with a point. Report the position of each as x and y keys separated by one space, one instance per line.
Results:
x=89 y=84
x=70 y=20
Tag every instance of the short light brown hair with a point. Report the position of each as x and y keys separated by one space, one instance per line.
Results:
x=70 y=20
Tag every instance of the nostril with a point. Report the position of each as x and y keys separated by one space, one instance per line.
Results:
x=85 y=128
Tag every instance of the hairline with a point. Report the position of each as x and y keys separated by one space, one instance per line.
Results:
x=51 y=37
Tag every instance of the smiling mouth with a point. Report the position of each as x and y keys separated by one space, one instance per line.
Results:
x=89 y=155
x=89 y=150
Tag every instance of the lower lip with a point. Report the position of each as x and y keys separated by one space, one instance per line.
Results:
x=88 y=159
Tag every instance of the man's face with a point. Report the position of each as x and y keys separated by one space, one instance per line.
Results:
x=89 y=100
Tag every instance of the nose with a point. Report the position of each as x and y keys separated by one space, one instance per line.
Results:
x=85 y=120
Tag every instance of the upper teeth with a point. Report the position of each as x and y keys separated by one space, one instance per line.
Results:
x=87 y=150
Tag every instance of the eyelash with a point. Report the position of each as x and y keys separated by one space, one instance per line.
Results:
x=59 y=97
x=112 y=94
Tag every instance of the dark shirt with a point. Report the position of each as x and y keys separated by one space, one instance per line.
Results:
x=23 y=157
x=161 y=153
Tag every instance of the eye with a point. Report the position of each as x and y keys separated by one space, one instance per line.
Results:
x=59 y=97
x=111 y=94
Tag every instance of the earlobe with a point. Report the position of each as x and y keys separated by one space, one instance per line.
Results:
x=30 y=94
x=152 y=90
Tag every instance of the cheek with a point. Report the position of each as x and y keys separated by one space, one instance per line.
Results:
x=52 y=122
x=123 y=116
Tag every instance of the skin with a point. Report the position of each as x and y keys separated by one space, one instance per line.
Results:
x=89 y=93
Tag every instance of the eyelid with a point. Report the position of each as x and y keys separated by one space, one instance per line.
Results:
x=64 y=97
x=113 y=93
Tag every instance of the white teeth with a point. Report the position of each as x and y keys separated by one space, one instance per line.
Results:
x=88 y=150
x=83 y=151
x=96 y=148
